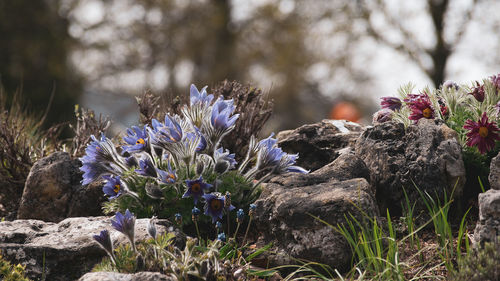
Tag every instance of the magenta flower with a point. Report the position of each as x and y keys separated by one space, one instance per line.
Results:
x=478 y=92
x=391 y=103
x=420 y=106
x=482 y=134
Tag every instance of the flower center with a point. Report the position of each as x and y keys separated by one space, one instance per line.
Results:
x=117 y=188
x=483 y=132
x=216 y=204
x=195 y=187
x=427 y=112
x=140 y=141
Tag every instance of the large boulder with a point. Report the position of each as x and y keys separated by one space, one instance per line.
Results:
x=64 y=250
x=114 y=276
x=286 y=207
x=488 y=225
x=426 y=155
x=319 y=144
x=53 y=191
x=494 y=176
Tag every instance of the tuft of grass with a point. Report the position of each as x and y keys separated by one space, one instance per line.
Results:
x=10 y=272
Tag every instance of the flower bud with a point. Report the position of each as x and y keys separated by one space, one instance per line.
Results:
x=152 y=227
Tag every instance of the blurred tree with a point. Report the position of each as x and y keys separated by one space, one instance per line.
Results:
x=394 y=25
x=134 y=44
x=34 y=45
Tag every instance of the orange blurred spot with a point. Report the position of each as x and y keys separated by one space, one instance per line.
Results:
x=345 y=111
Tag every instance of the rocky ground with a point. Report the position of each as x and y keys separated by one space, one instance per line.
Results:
x=354 y=169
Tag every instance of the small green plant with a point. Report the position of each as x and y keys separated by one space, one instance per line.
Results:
x=203 y=259
x=481 y=264
x=439 y=213
x=9 y=272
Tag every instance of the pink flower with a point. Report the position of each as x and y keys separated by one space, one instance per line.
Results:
x=420 y=106
x=478 y=92
x=482 y=134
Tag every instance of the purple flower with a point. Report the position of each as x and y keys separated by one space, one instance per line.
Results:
x=125 y=224
x=165 y=133
x=113 y=187
x=495 y=80
x=214 y=206
x=482 y=134
x=221 y=112
x=137 y=139
x=104 y=241
x=221 y=155
x=478 y=92
x=196 y=189
x=100 y=158
x=382 y=116
x=147 y=168
x=197 y=97
x=391 y=103
x=167 y=177
x=199 y=138
x=450 y=84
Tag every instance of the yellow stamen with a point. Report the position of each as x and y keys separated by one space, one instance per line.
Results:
x=117 y=188
x=427 y=112
x=140 y=141
x=483 y=132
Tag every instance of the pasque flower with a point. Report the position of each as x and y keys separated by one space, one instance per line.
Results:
x=482 y=134
x=105 y=242
x=100 y=158
x=147 y=168
x=391 y=103
x=196 y=189
x=420 y=106
x=221 y=115
x=199 y=97
x=478 y=92
x=167 y=177
x=137 y=139
x=126 y=225
x=214 y=206
x=113 y=187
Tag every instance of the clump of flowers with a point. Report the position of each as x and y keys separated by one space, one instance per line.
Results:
x=169 y=166
x=218 y=259
x=472 y=111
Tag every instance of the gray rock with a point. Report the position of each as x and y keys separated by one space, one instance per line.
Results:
x=64 y=250
x=53 y=191
x=319 y=144
x=286 y=206
x=488 y=225
x=494 y=177
x=427 y=155
x=114 y=276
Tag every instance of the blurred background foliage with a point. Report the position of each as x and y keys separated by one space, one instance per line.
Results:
x=310 y=56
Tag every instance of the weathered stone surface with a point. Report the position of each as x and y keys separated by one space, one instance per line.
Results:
x=53 y=191
x=488 y=226
x=67 y=249
x=427 y=155
x=284 y=211
x=113 y=276
x=318 y=144
x=494 y=177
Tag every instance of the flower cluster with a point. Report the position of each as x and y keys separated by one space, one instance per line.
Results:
x=180 y=159
x=473 y=111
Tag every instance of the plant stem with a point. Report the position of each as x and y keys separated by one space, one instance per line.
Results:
x=236 y=232
x=246 y=232
x=197 y=231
